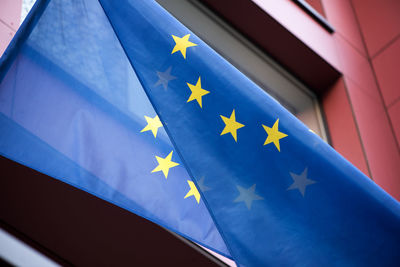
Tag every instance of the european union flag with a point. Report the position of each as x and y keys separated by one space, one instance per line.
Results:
x=119 y=99
x=72 y=107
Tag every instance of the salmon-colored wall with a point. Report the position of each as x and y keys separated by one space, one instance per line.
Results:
x=382 y=42
x=368 y=40
x=10 y=16
x=365 y=48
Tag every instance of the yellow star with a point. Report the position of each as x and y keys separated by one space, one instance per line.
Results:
x=152 y=125
x=274 y=135
x=197 y=92
x=181 y=44
x=193 y=191
x=231 y=125
x=165 y=164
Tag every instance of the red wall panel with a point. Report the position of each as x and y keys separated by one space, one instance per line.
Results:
x=6 y=34
x=339 y=116
x=10 y=16
x=377 y=137
x=300 y=24
x=345 y=50
x=10 y=13
x=394 y=113
x=379 y=22
x=354 y=65
x=340 y=14
x=387 y=69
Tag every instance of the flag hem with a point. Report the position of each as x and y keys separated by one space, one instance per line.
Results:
x=173 y=142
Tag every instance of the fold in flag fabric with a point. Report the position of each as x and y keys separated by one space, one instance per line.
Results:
x=119 y=99
x=71 y=107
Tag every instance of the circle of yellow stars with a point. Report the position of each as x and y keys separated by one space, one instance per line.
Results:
x=231 y=125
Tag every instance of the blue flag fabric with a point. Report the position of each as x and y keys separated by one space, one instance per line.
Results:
x=250 y=175
x=278 y=194
x=71 y=107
